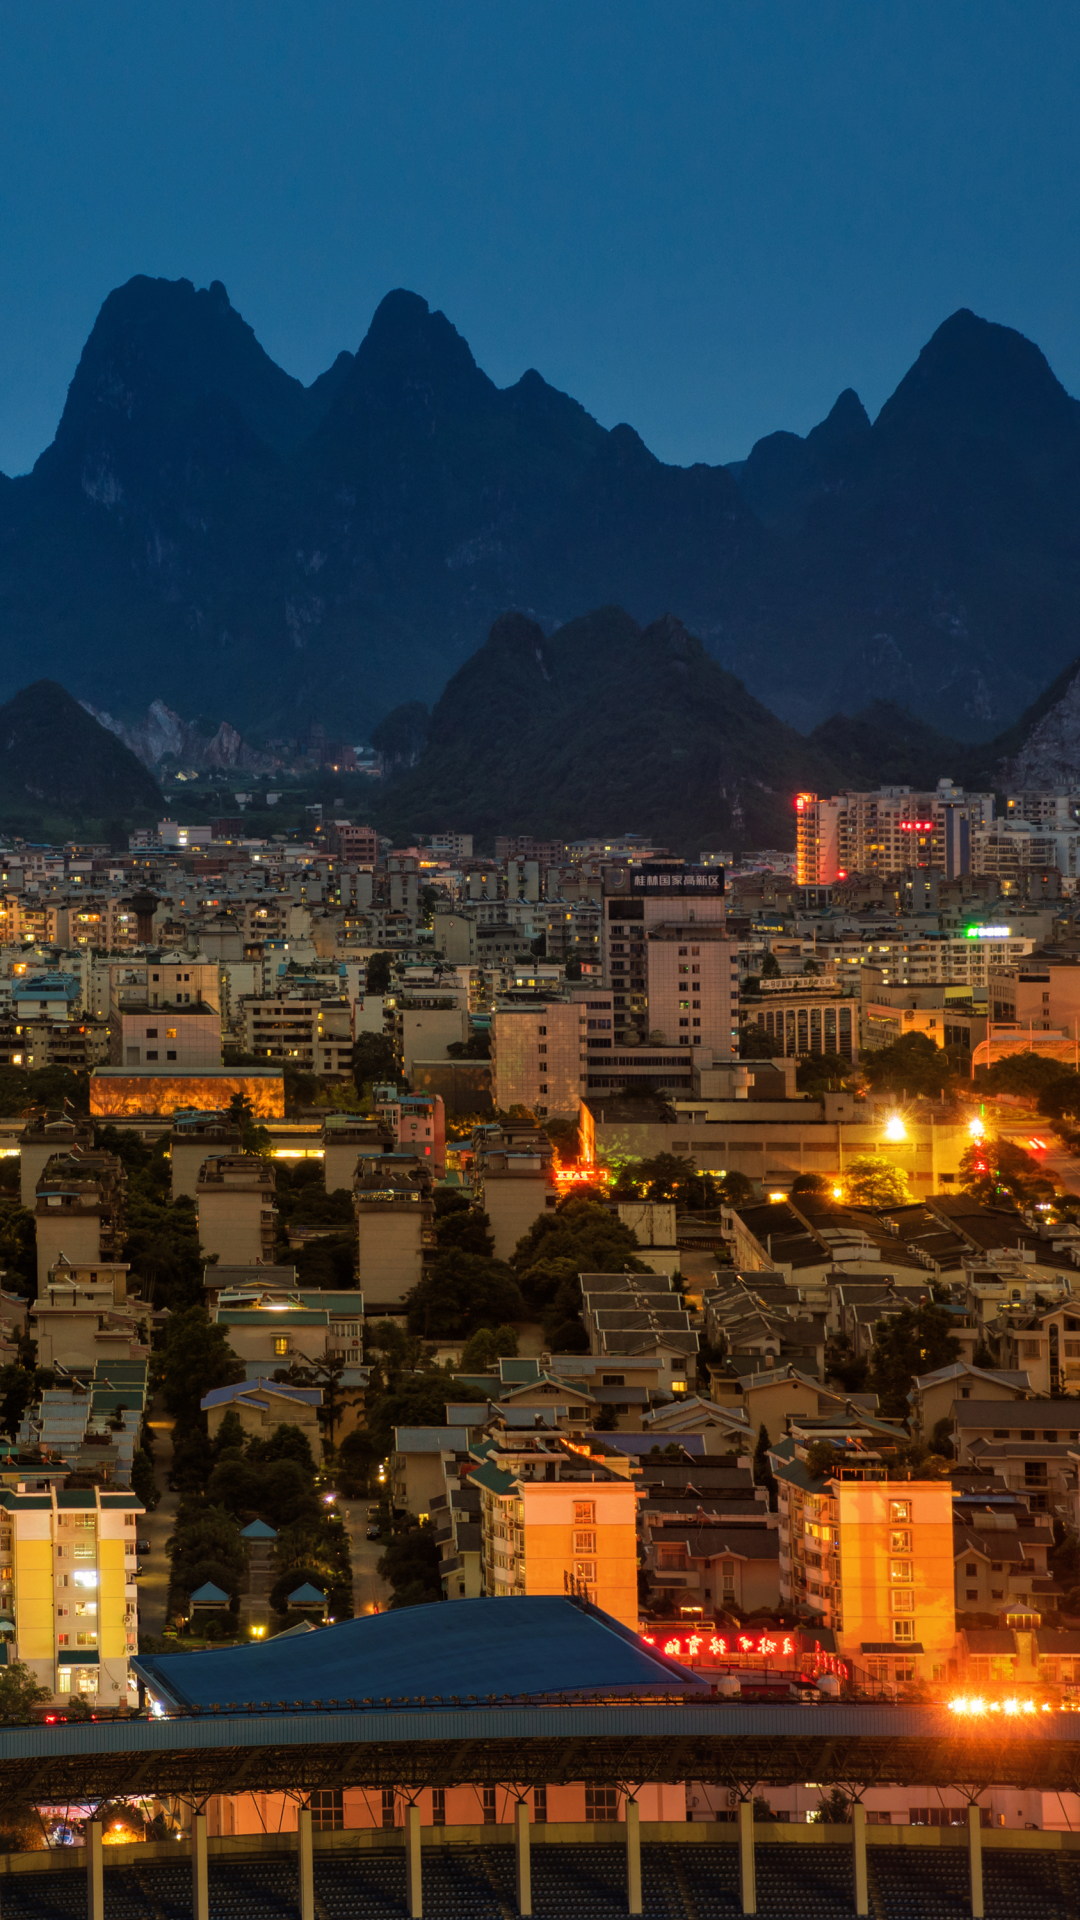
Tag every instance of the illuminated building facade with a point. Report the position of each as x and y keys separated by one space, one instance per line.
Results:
x=886 y=832
x=872 y=1559
x=117 y=1093
x=554 y=1522
x=67 y=1580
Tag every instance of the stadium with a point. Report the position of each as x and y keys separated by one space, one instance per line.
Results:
x=495 y=1708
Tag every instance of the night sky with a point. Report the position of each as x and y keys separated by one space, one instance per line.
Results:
x=705 y=219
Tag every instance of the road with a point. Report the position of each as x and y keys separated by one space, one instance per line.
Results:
x=369 y=1592
x=1022 y=1127
x=156 y=1527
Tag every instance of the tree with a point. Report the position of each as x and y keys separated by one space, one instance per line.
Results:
x=197 y=1359
x=822 y=1072
x=19 y=1694
x=911 y=1064
x=992 y=1170
x=607 y=1420
x=763 y=1473
x=411 y=1565
x=20 y=1387
x=833 y=1809
x=871 y=1181
x=253 y=1138
x=1027 y=1073
x=756 y=1043
x=373 y=1058
x=810 y=1183
x=379 y=972
x=466 y=1230
x=485 y=1348
x=736 y=1189
x=770 y=967
x=142 y=1479
x=286 y=1442
x=667 y=1177
x=461 y=1292
x=914 y=1341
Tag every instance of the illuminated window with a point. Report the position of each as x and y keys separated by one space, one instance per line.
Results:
x=281 y=1344
x=170 y=1033
x=900 y=1510
x=585 y=1570
x=65 y=1680
x=901 y=1570
x=900 y=1543
x=584 y=1513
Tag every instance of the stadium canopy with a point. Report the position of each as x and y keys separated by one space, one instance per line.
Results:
x=467 y=1649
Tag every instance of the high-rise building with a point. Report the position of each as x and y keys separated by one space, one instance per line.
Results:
x=889 y=831
x=667 y=960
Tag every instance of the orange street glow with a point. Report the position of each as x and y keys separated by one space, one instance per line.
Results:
x=974 y=1707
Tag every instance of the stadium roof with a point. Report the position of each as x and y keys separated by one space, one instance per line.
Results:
x=467 y=1648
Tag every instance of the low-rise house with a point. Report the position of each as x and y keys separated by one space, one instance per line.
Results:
x=263 y=1405
x=933 y=1395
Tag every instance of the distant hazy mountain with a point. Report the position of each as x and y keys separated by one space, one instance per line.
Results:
x=206 y=532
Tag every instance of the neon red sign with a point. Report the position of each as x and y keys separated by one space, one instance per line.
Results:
x=581 y=1176
x=704 y=1647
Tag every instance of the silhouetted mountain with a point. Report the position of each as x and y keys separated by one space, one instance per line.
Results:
x=207 y=532
x=600 y=727
x=885 y=745
x=55 y=757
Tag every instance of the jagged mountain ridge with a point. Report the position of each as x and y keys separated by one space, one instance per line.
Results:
x=206 y=531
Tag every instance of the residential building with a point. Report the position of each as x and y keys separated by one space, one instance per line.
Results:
x=84 y=1314
x=887 y=831
x=395 y=1229
x=553 y=1522
x=418 y=1124
x=346 y=1140
x=45 y=1134
x=866 y=1555
x=79 y=1210
x=263 y=1405
x=67 y=1582
x=234 y=1201
x=513 y=1180
x=193 y=1139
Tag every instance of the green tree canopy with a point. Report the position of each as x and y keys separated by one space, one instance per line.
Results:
x=486 y=1347
x=1025 y=1073
x=910 y=1065
x=997 y=1169
x=197 y=1359
x=463 y=1291
x=20 y=1693
x=411 y=1565
x=379 y=972
x=871 y=1181
x=373 y=1058
x=914 y=1341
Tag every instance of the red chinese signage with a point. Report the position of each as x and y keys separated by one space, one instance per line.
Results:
x=706 y=1647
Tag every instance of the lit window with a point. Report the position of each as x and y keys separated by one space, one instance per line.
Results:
x=900 y=1511
x=281 y=1344
x=584 y=1513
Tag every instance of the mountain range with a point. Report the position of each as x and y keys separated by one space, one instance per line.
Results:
x=206 y=533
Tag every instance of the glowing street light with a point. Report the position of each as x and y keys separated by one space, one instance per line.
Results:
x=976 y=1129
x=895 y=1128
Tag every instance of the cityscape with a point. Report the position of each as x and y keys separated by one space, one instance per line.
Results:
x=539 y=963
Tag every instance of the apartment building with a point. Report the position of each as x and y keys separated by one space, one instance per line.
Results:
x=194 y=1138
x=553 y=1522
x=395 y=1229
x=887 y=831
x=67 y=1582
x=539 y=1052
x=294 y=1026
x=83 y=1315
x=44 y=1135
x=869 y=1557
x=234 y=1203
x=79 y=1210
x=1040 y=992
x=417 y=1123
x=513 y=1180
x=653 y=916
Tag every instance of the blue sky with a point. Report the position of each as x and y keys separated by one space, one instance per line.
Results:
x=705 y=219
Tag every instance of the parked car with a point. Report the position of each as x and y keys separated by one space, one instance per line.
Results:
x=142 y=1546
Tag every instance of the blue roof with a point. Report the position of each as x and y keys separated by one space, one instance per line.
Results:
x=307 y=1596
x=209 y=1595
x=258 y=1530
x=459 y=1647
